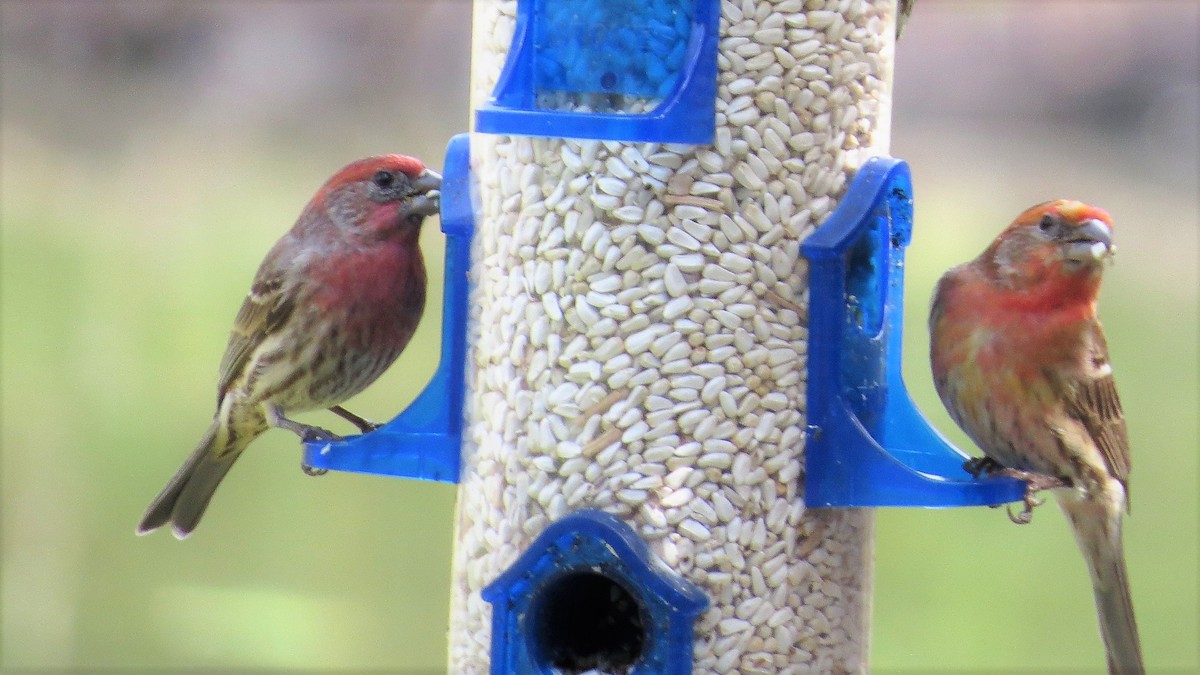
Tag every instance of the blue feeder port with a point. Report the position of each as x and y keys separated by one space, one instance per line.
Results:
x=868 y=444
x=600 y=53
x=588 y=594
x=425 y=440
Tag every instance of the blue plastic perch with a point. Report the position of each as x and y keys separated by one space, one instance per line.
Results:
x=425 y=440
x=663 y=52
x=868 y=444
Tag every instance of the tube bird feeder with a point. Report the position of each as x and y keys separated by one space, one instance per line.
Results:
x=673 y=386
x=640 y=311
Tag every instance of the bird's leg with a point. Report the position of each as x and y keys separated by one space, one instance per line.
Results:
x=364 y=425
x=978 y=466
x=307 y=433
x=1034 y=483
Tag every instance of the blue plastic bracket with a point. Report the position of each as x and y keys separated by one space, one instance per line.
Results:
x=868 y=444
x=425 y=440
x=590 y=544
x=663 y=51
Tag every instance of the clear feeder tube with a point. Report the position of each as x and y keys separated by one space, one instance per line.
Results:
x=640 y=342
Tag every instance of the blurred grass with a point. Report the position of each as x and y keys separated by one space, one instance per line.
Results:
x=124 y=259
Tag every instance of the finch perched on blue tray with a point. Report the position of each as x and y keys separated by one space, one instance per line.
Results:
x=332 y=306
x=1020 y=361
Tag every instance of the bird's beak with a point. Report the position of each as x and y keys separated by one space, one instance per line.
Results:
x=427 y=189
x=1090 y=241
x=428 y=180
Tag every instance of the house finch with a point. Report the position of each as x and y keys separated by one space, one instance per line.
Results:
x=1020 y=361
x=332 y=305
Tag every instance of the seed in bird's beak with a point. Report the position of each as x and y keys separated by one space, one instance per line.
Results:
x=427 y=197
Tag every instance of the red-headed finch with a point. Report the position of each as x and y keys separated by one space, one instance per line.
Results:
x=1020 y=361
x=332 y=305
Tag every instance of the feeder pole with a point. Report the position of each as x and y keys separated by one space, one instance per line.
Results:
x=639 y=333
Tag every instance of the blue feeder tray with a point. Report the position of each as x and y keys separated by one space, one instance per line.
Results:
x=868 y=443
x=588 y=594
x=425 y=440
x=591 y=50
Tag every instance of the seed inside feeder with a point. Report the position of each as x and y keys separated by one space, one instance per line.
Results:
x=664 y=281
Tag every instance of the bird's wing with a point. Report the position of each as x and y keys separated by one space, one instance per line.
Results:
x=267 y=308
x=1095 y=403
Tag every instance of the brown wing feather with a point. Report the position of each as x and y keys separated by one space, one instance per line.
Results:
x=264 y=311
x=1097 y=406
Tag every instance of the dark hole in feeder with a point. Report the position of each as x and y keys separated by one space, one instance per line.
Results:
x=608 y=80
x=586 y=621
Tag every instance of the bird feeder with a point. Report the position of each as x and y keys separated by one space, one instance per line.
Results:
x=670 y=351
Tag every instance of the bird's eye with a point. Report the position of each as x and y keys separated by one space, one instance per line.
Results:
x=383 y=179
x=1047 y=223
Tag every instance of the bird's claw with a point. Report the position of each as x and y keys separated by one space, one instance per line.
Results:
x=1034 y=483
x=1031 y=501
x=316 y=435
x=312 y=471
x=1025 y=516
x=978 y=466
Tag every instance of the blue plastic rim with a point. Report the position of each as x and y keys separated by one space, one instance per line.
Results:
x=592 y=544
x=625 y=47
x=425 y=440
x=868 y=443
x=594 y=52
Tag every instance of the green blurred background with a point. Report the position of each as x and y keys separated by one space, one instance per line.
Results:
x=150 y=153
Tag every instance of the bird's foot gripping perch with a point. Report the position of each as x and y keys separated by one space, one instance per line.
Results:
x=307 y=433
x=312 y=434
x=978 y=466
x=1034 y=483
x=312 y=471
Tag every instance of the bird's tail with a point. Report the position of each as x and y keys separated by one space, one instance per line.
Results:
x=187 y=494
x=1097 y=529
